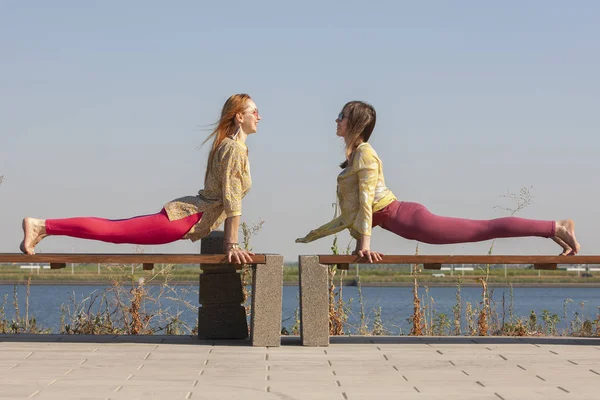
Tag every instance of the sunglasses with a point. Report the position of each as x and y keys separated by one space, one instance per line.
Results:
x=254 y=112
x=340 y=116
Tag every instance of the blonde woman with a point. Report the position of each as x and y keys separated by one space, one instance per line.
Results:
x=227 y=180
x=366 y=202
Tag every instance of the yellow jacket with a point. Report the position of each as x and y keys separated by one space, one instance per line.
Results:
x=227 y=183
x=361 y=191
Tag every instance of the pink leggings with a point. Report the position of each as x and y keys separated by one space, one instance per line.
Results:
x=414 y=221
x=145 y=229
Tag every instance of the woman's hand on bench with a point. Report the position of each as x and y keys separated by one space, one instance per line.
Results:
x=372 y=256
x=237 y=255
x=363 y=249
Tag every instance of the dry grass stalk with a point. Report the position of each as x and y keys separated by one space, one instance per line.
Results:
x=470 y=313
x=416 y=319
x=137 y=320
x=118 y=310
x=248 y=230
x=18 y=324
x=337 y=308
x=457 y=310
x=337 y=316
x=482 y=321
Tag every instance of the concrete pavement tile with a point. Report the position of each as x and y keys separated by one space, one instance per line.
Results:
x=299 y=361
x=235 y=374
x=412 y=394
x=357 y=357
x=298 y=350
x=252 y=357
x=301 y=367
x=20 y=355
x=217 y=382
x=426 y=365
x=367 y=373
x=233 y=365
x=298 y=356
x=372 y=381
x=180 y=363
x=181 y=351
x=239 y=350
x=294 y=382
x=299 y=385
x=19 y=391
x=6 y=364
x=87 y=394
x=233 y=391
x=57 y=355
x=302 y=374
x=358 y=363
x=101 y=374
x=370 y=371
x=306 y=391
x=26 y=379
x=303 y=396
x=433 y=366
x=164 y=377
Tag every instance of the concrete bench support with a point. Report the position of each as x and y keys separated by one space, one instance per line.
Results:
x=267 y=294
x=222 y=316
x=314 y=302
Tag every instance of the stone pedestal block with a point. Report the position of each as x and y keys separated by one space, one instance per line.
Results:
x=314 y=303
x=228 y=322
x=267 y=293
x=213 y=243
x=221 y=288
x=221 y=315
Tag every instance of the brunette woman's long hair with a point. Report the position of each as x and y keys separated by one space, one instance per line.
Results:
x=226 y=125
x=361 y=122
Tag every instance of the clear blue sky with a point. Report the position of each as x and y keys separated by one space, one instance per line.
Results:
x=102 y=108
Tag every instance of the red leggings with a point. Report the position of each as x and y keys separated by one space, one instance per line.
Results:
x=414 y=221
x=145 y=229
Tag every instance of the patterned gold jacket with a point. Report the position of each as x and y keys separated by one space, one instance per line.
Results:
x=227 y=183
x=361 y=191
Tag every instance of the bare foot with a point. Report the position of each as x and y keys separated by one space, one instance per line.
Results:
x=565 y=231
x=34 y=230
x=567 y=251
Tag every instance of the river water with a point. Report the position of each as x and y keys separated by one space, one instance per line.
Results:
x=396 y=302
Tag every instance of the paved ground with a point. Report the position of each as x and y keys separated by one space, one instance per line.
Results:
x=168 y=367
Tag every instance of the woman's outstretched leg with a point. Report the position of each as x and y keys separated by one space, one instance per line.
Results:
x=146 y=229
x=414 y=221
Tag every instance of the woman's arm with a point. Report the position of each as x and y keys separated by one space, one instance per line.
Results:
x=234 y=161
x=367 y=167
x=334 y=226
x=234 y=252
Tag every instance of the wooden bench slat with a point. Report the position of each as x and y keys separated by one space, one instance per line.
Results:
x=85 y=258
x=462 y=259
